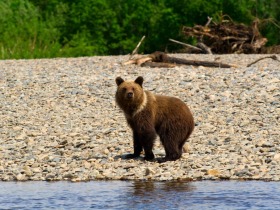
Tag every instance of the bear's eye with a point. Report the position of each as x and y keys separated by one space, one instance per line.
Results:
x=124 y=89
x=133 y=89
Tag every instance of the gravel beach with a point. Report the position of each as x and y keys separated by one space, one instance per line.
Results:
x=59 y=120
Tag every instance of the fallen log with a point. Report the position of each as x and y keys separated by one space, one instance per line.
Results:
x=169 y=62
x=162 y=57
x=158 y=65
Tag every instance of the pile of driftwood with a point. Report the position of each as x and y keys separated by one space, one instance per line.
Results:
x=222 y=38
x=226 y=37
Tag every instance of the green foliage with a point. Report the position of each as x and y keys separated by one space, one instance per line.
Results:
x=23 y=34
x=269 y=14
x=63 y=28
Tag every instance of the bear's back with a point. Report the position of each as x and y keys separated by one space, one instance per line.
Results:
x=173 y=112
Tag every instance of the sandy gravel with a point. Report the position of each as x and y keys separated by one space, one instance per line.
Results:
x=59 y=121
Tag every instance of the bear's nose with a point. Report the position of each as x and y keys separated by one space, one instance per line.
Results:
x=129 y=95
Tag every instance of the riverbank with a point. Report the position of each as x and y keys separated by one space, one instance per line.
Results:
x=59 y=120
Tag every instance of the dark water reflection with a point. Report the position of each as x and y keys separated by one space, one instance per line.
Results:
x=140 y=195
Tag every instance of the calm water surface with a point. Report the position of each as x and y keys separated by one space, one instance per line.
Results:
x=140 y=195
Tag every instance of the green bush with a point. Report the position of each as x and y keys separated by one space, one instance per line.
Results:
x=63 y=28
x=23 y=34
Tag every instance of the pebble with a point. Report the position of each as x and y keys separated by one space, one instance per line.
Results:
x=59 y=120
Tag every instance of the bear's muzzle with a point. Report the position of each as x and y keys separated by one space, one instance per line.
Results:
x=129 y=95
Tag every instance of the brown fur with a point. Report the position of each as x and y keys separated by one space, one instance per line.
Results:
x=148 y=115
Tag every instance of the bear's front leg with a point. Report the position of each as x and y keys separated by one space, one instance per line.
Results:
x=147 y=139
x=137 y=147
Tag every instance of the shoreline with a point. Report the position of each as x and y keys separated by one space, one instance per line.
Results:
x=59 y=120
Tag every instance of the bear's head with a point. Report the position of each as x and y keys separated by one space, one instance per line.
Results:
x=129 y=90
x=130 y=94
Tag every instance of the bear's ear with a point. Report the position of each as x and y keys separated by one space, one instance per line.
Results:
x=139 y=80
x=119 y=80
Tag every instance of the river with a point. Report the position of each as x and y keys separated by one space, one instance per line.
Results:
x=140 y=195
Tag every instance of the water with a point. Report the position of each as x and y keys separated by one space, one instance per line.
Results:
x=140 y=195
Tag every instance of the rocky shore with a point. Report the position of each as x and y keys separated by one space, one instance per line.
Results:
x=59 y=120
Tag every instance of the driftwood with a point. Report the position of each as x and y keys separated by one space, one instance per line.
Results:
x=186 y=45
x=135 y=51
x=160 y=59
x=158 y=65
x=138 y=61
x=227 y=37
x=272 y=57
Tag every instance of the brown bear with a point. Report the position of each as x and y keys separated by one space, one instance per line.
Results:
x=148 y=115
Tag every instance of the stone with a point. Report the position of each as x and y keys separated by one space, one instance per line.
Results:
x=36 y=170
x=277 y=157
x=21 y=177
x=149 y=171
x=63 y=123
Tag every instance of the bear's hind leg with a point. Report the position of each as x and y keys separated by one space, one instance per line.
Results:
x=171 y=157
x=172 y=150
